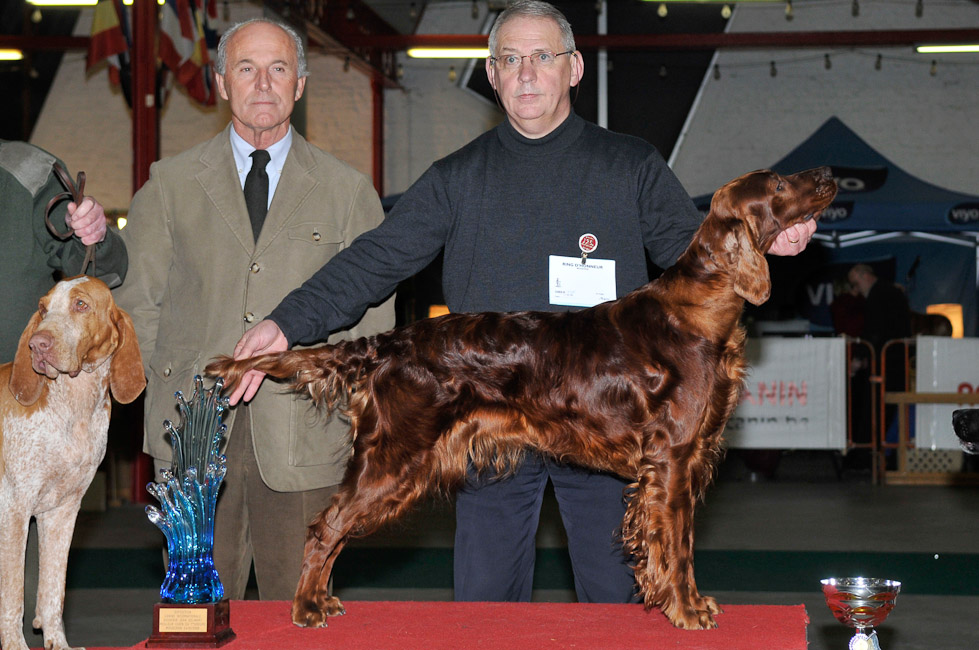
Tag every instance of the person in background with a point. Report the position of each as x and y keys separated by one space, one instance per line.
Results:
x=219 y=234
x=886 y=317
x=886 y=312
x=33 y=257
x=542 y=188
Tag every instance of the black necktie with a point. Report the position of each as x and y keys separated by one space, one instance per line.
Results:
x=257 y=190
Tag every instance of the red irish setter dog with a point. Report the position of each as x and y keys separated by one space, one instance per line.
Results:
x=641 y=387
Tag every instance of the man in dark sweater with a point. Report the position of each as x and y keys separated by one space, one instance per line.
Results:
x=515 y=210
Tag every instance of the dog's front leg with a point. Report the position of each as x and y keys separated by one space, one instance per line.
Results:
x=54 y=530
x=13 y=544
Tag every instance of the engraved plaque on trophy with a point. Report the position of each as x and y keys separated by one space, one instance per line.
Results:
x=193 y=612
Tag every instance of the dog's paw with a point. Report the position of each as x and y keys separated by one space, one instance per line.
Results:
x=686 y=617
x=314 y=612
x=695 y=620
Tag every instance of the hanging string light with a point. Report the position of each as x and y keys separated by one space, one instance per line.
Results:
x=855 y=8
x=717 y=72
x=771 y=70
x=919 y=8
x=452 y=74
x=726 y=11
x=661 y=10
x=827 y=62
x=475 y=10
x=788 y=10
x=662 y=72
x=346 y=64
x=878 y=64
x=934 y=68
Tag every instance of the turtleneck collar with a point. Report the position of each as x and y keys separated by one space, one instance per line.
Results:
x=560 y=138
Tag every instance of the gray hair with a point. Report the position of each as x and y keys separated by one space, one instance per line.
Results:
x=297 y=40
x=532 y=9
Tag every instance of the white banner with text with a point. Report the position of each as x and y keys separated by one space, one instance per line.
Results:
x=794 y=395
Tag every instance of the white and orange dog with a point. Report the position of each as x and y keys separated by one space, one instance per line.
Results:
x=54 y=421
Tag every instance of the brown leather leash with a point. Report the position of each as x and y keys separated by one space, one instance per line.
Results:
x=75 y=192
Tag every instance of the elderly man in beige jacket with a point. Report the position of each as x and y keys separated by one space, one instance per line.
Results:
x=204 y=268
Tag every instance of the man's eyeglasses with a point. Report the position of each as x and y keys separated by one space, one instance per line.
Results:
x=537 y=59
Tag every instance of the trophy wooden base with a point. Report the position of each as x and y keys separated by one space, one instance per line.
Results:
x=207 y=625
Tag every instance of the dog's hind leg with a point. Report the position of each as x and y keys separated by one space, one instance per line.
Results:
x=357 y=510
x=325 y=538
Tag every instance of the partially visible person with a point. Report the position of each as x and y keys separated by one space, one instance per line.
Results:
x=886 y=317
x=847 y=309
x=217 y=240
x=886 y=313
x=514 y=210
x=33 y=257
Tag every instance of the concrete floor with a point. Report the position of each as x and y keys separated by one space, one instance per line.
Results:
x=809 y=515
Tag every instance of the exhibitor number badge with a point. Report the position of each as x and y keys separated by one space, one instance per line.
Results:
x=587 y=243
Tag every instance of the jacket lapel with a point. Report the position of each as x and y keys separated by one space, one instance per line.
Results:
x=219 y=180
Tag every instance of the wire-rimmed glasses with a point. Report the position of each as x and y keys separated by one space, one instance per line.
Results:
x=511 y=62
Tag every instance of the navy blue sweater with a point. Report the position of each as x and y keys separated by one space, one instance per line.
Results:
x=499 y=207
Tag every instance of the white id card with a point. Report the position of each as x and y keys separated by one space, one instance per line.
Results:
x=574 y=284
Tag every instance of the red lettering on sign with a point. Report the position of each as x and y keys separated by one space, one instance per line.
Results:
x=777 y=393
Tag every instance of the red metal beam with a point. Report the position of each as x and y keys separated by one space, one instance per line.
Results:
x=395 y=42
x=37 y=43
x=877 y=38
x=146 y=117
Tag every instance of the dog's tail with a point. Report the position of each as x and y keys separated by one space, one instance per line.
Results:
x=328 y=374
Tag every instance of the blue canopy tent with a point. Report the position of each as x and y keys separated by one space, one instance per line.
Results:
x=919 y=235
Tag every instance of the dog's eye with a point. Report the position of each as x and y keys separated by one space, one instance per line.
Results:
x=778 y=188
x=80 y=305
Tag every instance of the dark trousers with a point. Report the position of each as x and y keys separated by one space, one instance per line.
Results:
x=496 y=526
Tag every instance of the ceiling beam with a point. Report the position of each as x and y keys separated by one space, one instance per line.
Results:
x=676 y=42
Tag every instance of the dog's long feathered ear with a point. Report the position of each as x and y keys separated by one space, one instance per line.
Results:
x=126 y=376
x=751 y=276
x=25 y=384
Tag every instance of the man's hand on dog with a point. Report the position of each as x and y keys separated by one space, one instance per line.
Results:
x=794 y=239
x=264 y=338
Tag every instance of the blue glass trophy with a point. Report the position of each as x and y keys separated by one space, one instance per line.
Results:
x=193 y=610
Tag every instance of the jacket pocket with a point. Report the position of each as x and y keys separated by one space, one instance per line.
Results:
x=171 y=369
x=317 y=233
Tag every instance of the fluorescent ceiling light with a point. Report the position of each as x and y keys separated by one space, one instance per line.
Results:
x=63 y=3
x=945 y=49
x=448 y=53
x=11 y=55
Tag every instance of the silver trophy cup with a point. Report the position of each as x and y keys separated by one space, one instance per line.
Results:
x=861 y=603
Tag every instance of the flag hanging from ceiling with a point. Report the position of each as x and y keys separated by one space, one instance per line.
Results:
x=184 y=35
x=111 y=40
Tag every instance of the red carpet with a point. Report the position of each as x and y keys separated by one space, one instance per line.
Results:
x=508 y=626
